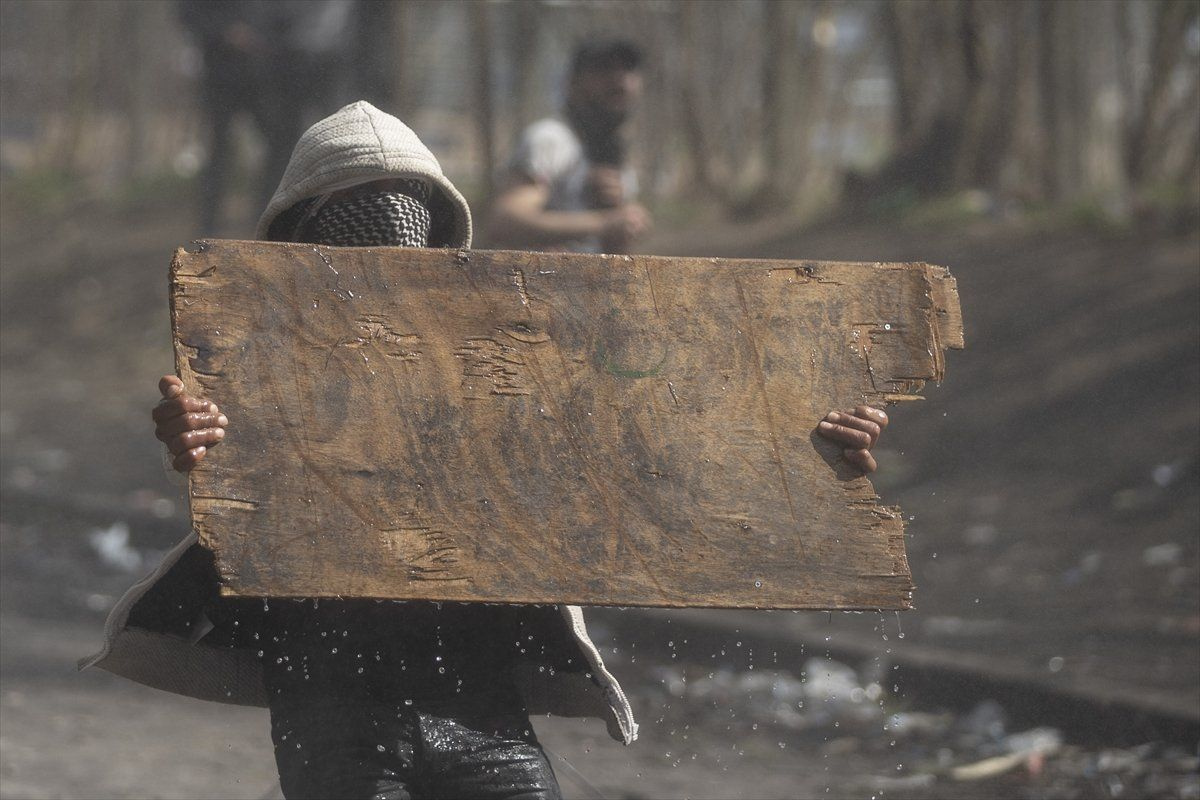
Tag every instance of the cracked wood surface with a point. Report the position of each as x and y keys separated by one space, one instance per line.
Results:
x=526 y=427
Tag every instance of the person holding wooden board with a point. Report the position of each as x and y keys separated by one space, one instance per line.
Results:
x=382 y=699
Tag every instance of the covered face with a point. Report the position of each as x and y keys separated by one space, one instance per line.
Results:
x=388 y=213
x=362 y=177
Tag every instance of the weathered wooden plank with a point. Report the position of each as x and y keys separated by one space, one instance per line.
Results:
x=546 y=427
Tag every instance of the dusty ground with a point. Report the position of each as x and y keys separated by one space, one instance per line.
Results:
x=1052 y=481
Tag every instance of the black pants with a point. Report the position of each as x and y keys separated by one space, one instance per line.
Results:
x=335 y=747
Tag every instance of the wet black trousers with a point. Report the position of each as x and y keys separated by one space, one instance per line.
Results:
x=471 y=748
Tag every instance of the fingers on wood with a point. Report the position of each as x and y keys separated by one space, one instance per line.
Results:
x=852 y=437
x=189 y=458
x=170 y=386
x=866 y=425
x=191 y=421
x=861 y=458
x=876 y=415
x=183 y=404
x=190 y=440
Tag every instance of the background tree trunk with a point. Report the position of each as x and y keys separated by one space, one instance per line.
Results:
x=526 y=53
x=1173 y=18
x=485 y=113
x=694 y=115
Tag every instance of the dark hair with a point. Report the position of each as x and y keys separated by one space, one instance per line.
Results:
x=603 y=54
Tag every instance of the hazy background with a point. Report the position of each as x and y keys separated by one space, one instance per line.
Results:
x=1047 y=152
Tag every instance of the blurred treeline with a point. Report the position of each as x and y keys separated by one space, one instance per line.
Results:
x=752 y=106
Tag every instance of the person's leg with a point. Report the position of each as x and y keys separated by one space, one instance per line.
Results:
x=337 y=750
x=492 y=756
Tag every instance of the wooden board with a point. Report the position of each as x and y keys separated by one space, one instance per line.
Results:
x=519 y=427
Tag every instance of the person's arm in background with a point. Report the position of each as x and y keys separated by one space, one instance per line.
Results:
x=547 y=152
x=520 y=219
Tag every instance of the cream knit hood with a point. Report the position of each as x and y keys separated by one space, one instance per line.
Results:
x=359 y=144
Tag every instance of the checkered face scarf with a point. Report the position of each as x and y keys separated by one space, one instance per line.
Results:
x=395 y=218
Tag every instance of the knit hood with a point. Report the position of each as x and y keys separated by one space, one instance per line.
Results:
x=360 y=144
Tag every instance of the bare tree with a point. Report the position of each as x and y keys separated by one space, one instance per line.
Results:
x=1154 y=117
x=524 y=47
x=480 y=21
x=781 y=91
x=695 y=113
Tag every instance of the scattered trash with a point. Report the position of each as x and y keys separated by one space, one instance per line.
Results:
x=1029 y=748
x=1036 y=740
x=987 y=768
x=839 y=712
x=828 y=679
x=1162 y=555
x=112 y=545
x=827 y=693
x=985 y=721
x=1164 y=474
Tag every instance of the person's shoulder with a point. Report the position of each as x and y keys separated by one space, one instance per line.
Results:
x=550 y=130
x=547 y=150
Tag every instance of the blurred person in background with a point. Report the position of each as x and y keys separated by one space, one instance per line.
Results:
x=568 y=185
x=279 y=62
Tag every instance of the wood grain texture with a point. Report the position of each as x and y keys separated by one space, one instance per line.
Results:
x=519 y=427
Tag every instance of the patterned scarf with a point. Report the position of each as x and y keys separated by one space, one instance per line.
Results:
x=394 y=218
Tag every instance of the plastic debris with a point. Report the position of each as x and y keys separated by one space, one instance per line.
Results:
x=112 y=545
x=1162 y=555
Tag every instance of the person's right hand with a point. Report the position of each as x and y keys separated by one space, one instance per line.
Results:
x=186 y=425
x=606 y=186
x=622 y=226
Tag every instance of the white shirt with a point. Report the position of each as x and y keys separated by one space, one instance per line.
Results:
x=550 y=153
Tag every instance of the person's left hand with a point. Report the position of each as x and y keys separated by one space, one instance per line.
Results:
x=857 y=431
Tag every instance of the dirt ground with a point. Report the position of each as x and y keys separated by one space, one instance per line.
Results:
x=1051 y=484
